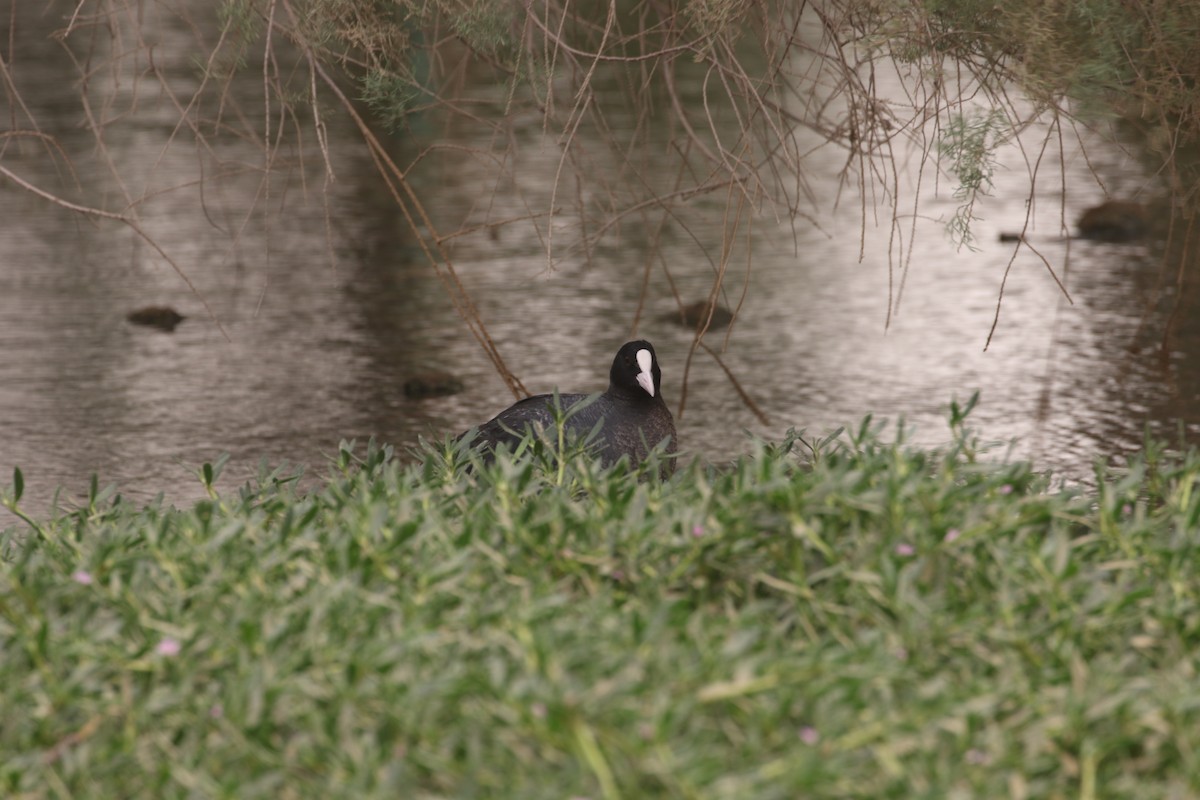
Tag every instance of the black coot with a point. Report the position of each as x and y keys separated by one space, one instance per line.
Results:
x=634 y=415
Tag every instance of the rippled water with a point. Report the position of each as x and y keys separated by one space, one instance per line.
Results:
x=329 y=307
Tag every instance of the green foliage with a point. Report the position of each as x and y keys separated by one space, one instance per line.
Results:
x=968 y=147
x=1073 y=56
x=711 y=19
x=849 y=617
x=1106 y=54
x=965 y=29
x=241 y=17
x=390 y=96
x=488 y=29
x=1090 y=58
x=380 y=45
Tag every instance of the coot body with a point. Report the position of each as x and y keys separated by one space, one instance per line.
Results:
x=631 y=413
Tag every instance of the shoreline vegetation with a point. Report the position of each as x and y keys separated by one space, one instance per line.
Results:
x=843 y=617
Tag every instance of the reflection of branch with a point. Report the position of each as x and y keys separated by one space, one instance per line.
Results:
x=48 y=141
x=669 y=85
x=489 y=226
x=718 y=281
x=662 y=200
x=1025 y=242
x=655 y=249
x=583 y=97
x=395 y=180
x=750 y=404
x=96 y=212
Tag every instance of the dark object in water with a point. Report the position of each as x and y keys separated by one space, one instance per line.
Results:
x=164 y=318
x=1115 y=221
x=631 y=414
x=693 y=315
x=434 y=383
x=1010 y=236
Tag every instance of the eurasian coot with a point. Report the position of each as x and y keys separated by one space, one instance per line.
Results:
x=633 y=414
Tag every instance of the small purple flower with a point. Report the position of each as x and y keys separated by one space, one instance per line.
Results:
x=217 y=711
x=952 y=535
x=901 y=653
x=697 y=530
x=905 y=549
x=82 y=576
x=1006 y=489
x=168 y=647
x=809 y=735
x=1127 y=509
x=974 y=756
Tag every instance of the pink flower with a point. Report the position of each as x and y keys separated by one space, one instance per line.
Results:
x=809 y=735
x=82 y=576
x=697 y=531
x=951 y=535
x=905 y=549
x=1006 y=489
x=168 y=647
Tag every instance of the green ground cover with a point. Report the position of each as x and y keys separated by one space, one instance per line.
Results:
x=869 y=621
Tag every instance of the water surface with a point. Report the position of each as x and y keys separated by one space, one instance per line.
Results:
x=326 y=305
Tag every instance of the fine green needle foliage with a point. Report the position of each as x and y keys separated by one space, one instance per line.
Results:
x=843 y=617
x=969 y=145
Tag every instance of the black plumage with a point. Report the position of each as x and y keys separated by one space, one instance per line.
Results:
x=631 y=413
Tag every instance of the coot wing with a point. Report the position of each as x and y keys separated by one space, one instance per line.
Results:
x=536 y=412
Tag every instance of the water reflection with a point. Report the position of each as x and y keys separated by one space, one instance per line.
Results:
x=329 y=305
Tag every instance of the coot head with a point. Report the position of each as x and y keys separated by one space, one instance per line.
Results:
x=635 y=373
